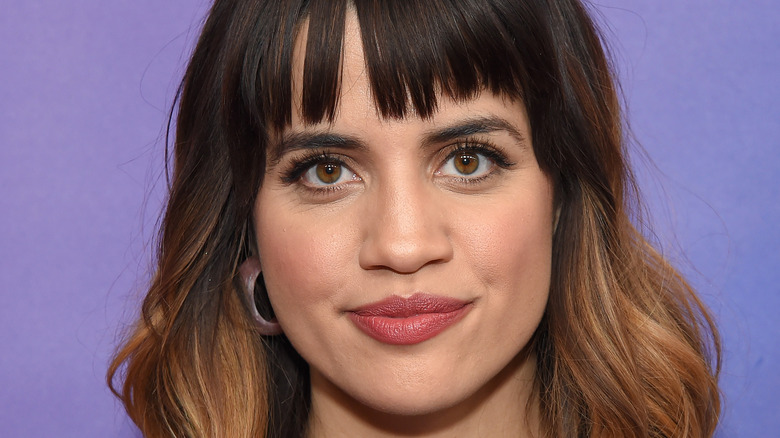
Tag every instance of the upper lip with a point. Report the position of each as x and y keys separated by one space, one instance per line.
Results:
x=417 y=304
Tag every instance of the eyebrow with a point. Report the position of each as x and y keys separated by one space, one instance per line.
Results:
x=311 y=140
x=471 y=126
x=460 y=129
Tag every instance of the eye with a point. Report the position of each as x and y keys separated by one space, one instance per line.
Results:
x=327 y=173
x=467 y=163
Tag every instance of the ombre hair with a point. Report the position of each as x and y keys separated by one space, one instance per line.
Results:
x=625 y=348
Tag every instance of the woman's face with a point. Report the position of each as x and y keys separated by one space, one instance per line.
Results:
x=408 y=261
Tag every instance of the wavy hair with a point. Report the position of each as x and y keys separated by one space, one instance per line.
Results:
x=625 y=349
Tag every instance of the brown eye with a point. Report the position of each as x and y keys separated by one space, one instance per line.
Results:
x=466 y=163
x=328 y=173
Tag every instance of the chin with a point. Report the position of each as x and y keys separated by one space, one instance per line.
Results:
x=413 y=404
x=421 y=395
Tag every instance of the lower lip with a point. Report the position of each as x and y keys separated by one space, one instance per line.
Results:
x=409 y=330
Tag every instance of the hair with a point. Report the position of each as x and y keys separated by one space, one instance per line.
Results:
x=625 y=348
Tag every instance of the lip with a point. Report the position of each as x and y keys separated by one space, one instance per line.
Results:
x=408 y=321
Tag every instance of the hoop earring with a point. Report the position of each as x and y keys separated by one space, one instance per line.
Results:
x=249 y=271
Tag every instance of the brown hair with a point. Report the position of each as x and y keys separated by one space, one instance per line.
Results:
x=625 y=349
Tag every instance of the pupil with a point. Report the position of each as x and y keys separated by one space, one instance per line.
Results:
x=467 y=164
x=328 y=172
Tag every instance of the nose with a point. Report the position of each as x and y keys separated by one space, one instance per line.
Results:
x=406 y=229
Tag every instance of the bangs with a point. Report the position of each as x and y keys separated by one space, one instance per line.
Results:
x=414 y=51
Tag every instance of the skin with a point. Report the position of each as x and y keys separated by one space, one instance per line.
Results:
x=400 y=220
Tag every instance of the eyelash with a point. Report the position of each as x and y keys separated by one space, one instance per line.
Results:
x=484 y=148
x=300 y=165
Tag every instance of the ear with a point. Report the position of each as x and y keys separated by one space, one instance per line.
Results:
x=249 y=271
x=556 y=218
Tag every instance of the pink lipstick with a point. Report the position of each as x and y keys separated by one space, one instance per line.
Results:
x=407 y=321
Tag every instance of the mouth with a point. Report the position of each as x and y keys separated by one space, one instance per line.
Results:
x=408 y=321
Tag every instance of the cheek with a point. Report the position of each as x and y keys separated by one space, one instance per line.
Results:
x=303 y=259
x=509 y=250
x=511 y=242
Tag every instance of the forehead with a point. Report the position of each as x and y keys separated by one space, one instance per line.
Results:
x=354 y=89
x=357 y=115
x=409 y=55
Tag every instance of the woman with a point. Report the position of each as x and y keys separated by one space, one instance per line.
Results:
x=410 y=219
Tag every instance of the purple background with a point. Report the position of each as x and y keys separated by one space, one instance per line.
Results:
x=84 y=90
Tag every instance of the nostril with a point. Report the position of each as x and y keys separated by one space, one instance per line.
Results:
x=405 y=252
x=404 y=230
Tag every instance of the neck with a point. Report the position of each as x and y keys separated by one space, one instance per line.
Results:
x=506 y=406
